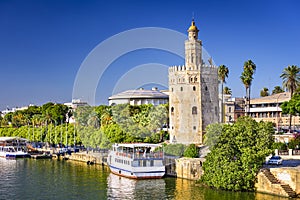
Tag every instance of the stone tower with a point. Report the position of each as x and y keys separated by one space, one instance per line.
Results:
x=193 y=97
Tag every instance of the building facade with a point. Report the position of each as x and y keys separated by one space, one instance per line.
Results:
x=233 y=108
x=268 y=109
x=139 y=97
x=193 y=94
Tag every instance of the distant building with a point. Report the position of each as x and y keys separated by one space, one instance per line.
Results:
x=268 y=109
x=76 y=103
x=233 y=108
x=193 y=94
x=139 y=97
x=8 y=110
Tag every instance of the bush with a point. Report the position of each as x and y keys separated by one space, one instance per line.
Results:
x=279 y=146
x=174 y=149
x=191 y=151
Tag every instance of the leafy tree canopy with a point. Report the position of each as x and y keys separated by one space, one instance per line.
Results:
x=237 y=157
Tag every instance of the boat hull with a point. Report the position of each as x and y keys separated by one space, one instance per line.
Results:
x=137 y=174
x=14 y=155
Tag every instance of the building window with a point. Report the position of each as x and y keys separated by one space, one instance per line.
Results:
x=181 y=88
x=194 y=88
x=194 y=110
x=194 y=127
x=229 y=109
x=195 y=79
x=172 y=89
x=205 y=88
x=172 y=110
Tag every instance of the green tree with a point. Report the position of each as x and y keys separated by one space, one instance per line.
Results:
x=264 y=92
x=191 y=151
x=223 y=72
x=277 y=90
x=246 y=78
x=227 y=90
x=237 y=157
x=291 y=78
x=291 y=107
x=291 y=81
x=213 y=132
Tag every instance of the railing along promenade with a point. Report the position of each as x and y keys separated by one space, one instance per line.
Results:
x=288 y=154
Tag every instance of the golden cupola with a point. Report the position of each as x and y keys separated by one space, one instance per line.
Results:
x=193 y=27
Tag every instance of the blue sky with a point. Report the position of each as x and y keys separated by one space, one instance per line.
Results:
x=44 y=42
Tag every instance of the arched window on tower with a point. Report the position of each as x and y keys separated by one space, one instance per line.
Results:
x=194 y=110
x=172 y=110
x=194 y=88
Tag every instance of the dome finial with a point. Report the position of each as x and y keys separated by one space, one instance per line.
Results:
x=193 y=27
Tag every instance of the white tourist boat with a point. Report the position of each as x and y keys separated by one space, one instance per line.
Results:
x=136 y=160
x=13 y=147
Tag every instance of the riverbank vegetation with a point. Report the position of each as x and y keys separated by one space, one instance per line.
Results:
x=238 y=154
x=95 y=126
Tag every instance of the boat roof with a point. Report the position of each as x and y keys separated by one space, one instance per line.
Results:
x=6 y=139
x=133 y=145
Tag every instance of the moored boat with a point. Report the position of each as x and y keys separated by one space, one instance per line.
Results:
x=136 y=160
x=13 y=147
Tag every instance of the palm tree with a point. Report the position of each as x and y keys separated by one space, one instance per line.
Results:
x=277 y=90
x=227 y=90
x=291 y=78
x=222 y=74
x=264 y=92
x=291 y=81
x=247 y=77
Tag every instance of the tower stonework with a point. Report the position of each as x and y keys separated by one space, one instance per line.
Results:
x=193 y=94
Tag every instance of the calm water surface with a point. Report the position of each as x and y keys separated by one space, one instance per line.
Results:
x=52 y=179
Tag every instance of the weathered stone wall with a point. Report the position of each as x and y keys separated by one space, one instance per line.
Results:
x=264 y=185
x=189 y=168
x=288 y=175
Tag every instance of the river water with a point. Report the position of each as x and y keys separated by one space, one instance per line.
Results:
x=52 y=179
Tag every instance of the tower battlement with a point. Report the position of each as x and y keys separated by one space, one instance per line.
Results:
x=176 y=68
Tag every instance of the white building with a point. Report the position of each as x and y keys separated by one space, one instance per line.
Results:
x=139 y=97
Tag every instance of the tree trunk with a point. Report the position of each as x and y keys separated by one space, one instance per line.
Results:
x=249 y=100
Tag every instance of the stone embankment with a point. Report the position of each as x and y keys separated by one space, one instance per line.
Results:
x=279 y=181
x=89 y=158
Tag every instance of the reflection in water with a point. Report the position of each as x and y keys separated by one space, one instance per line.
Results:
x=52 y=179
x=125 y=188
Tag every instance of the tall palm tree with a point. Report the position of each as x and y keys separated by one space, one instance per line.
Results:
x=277 y=90
x=291 y=81
x=264 y=92
x=227 y=90
x=223 y=72
x=291 y=78
x=247 y=77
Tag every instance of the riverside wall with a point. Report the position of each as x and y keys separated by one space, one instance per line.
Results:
x=189 y=168
x=90 y=158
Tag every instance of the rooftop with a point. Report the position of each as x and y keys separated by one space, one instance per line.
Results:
x=275 y=98
x=141 y=94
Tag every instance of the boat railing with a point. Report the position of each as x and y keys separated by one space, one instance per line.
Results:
x=151 y=155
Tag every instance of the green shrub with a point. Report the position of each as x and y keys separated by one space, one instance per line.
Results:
x=191 y=151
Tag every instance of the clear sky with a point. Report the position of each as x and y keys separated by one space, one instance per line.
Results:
x=44 y=42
